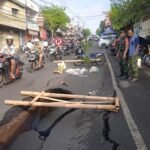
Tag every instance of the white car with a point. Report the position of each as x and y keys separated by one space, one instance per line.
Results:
x=105 y=40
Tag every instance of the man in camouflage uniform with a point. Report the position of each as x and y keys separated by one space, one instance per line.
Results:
x=123 y=46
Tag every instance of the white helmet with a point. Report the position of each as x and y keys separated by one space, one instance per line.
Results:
x=9 y=38
x=36 y=40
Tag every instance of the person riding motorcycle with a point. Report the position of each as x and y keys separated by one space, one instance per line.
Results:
x=38 y=48
x=9 y=50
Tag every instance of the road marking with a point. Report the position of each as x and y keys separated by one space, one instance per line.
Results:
x=140 y=144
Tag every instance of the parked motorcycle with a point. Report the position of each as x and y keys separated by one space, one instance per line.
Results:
x=52 y=53
x=34 y=59
x=5 y=65
x=147 y=60
x=80 y=55
x=66 y=50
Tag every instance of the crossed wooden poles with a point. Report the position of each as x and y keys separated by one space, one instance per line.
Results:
x=54 y=100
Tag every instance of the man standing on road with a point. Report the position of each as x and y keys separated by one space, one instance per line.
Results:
x=123 y=46
x=133 y=53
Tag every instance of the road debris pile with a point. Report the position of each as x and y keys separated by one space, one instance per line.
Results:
x=77 y=71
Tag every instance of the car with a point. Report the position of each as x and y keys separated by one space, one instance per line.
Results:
x=105 y=40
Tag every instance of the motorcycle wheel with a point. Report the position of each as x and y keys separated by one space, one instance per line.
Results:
x=101 y=61
x=147 y=61
x=1 y=80
x=77 y=63
x=51 y=57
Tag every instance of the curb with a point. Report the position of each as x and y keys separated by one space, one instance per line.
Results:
x=139 y=142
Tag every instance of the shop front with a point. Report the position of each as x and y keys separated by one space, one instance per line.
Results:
x=32 y=31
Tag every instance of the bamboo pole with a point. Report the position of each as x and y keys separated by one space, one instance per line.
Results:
x=117 y=103
x=61 y=105
x=75 y=60
x=83 y=97
x=37 y=97
x=87 y=102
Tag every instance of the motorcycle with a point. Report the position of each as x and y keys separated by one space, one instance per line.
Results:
x=5 y=65
x=34 y=59
x=80 y=55
x=66 y=50
x=147 y=60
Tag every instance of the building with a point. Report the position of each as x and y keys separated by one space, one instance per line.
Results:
x=12 y=21
x=142 y=28
x=32 y=13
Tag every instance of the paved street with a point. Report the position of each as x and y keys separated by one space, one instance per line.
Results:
x=69 y=128
x=137 y=96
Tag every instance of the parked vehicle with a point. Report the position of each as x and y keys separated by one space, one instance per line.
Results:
x=147 y=60
x=105 y=41
x=80 y=55
x=5 y=65
x=55 y=53
x=66 y=50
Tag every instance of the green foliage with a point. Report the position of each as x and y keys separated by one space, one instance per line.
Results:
x=87 y=60
x=85 y=45
x=98 y=31
x=86 y=33
x=101 y=28
x=55 y=17
x=125 y=12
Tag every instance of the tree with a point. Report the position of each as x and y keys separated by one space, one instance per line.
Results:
x=55 y=17
x=98 y=31
x=86 y=33
x=125 y=12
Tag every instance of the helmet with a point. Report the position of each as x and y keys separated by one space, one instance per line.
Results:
x=36 y=40
x=9 y=37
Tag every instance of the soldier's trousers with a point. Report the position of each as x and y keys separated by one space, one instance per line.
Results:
x=124 y=66
x=133 y=68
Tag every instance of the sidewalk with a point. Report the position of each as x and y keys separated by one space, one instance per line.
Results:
x=137 y=96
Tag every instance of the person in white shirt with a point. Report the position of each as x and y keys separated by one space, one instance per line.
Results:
x=9 y=50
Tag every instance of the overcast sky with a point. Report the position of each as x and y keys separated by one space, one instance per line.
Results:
x=90 y=12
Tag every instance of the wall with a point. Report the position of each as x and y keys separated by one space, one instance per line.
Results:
x=5 y=32
x=142 y=28
x=6 y=17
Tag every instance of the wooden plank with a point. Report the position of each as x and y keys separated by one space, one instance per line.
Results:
x=72 y=96
x=61 y=105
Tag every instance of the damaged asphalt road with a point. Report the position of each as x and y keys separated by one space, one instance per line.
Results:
x=71 y=129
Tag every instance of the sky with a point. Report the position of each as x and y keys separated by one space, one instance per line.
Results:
x=90 y=12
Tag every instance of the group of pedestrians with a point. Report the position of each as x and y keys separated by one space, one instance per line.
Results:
x=128 y=50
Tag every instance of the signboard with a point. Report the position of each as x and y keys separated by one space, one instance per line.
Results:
x=43 y=34
x=33 y=32
x=40 y=21
x=32 y=26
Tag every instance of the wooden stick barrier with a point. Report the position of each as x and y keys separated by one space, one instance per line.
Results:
x=83 y=102
x=37 y=97
x=117 y=103
x=82 y=97
x=76 y=60
x=60 y=104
